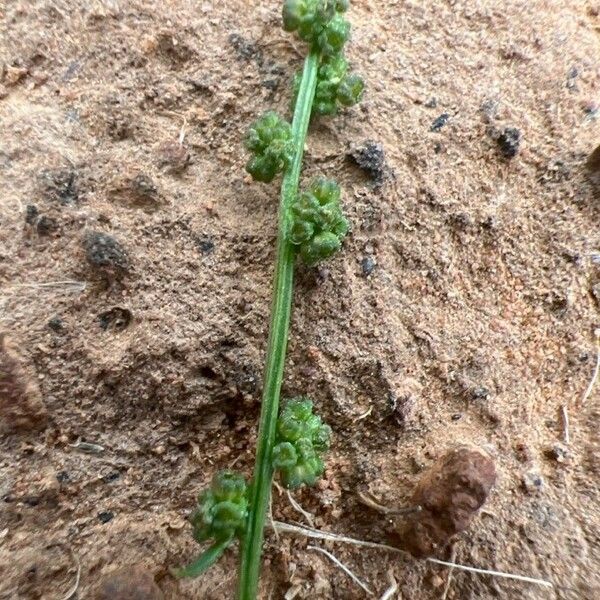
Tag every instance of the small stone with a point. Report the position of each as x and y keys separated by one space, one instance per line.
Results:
x=558 y=452
x=370 y=157
x=129 y=583
x=532 y=482
x=205 y=244
x=368 y=265
x=450 y=495
x=431 y=103
x=102 y=250
x=106 y=516
x=509 y=142
x=440 y=122
x=56 y=324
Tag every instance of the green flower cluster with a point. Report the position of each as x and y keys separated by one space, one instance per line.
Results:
x=318 y=224
x=335 y=86
x=319 y=22
x=301 y=439
x=270 y=140
x=222 y=509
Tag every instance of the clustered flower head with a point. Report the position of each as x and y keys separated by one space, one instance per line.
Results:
x=222 y=509
x=318 y=224
x=270 y=141
x=319 y=22
x=335 y=86
x=301 y=440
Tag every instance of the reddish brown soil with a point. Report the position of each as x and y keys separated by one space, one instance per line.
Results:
x=461 y=310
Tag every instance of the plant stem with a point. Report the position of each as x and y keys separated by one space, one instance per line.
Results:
x=278 y=335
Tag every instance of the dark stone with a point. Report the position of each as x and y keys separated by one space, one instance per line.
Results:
x=440 y=122
x=61 y=186
x=368 y=265
x=245 y=49
x=63 y=477
x=205 y=244
x=457 y=416
x=102 y=250
x=55 y=324
x=509 y=141
x=370 y=158
x=106 y=516
x=113 y=476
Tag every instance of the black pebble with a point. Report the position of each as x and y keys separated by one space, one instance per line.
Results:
x=205 y=244
x=113 y=476
x=509 y=141
x=105 y=516
x=102 y=250
x=55 y=324
x=440 y=122
x=368 y=265
x=63 y=477
x=370 y=158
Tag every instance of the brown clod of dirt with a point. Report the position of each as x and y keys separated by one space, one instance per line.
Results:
x=450 y=494
x=129 y=583
x=21 y=404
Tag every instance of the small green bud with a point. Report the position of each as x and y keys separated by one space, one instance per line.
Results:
x=222 y=509
x=270 y=140
x=284 y=456
x=301 y=439
x=335 y=87
x=318 y=224
x=318 y=22
x=351 y=90
x=321 y=247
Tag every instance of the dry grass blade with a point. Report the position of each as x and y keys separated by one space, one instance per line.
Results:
x=324 y=535
x=588 y=391
x=391 y=591
x=343 y=567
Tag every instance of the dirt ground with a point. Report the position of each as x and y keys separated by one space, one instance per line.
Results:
x=461 y=310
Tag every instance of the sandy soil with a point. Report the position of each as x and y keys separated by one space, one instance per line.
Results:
x=461 y=310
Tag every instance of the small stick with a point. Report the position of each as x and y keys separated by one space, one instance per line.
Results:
x=343 y=567
x=450 y=572
x=71 y=593
x=389 y=593
x=565 y=419
x=588 y=391
x=308 y=516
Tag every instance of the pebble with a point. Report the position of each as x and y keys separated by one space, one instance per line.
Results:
x=509 y=141
x=532 y=482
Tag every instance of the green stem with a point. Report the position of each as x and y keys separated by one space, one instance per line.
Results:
x=280 y=322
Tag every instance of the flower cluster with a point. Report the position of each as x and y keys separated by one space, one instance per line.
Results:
x=270 y=140
x=335 y=86
x=301 y=440
x=222 y=509
x=319 y=22
x=318 y=224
